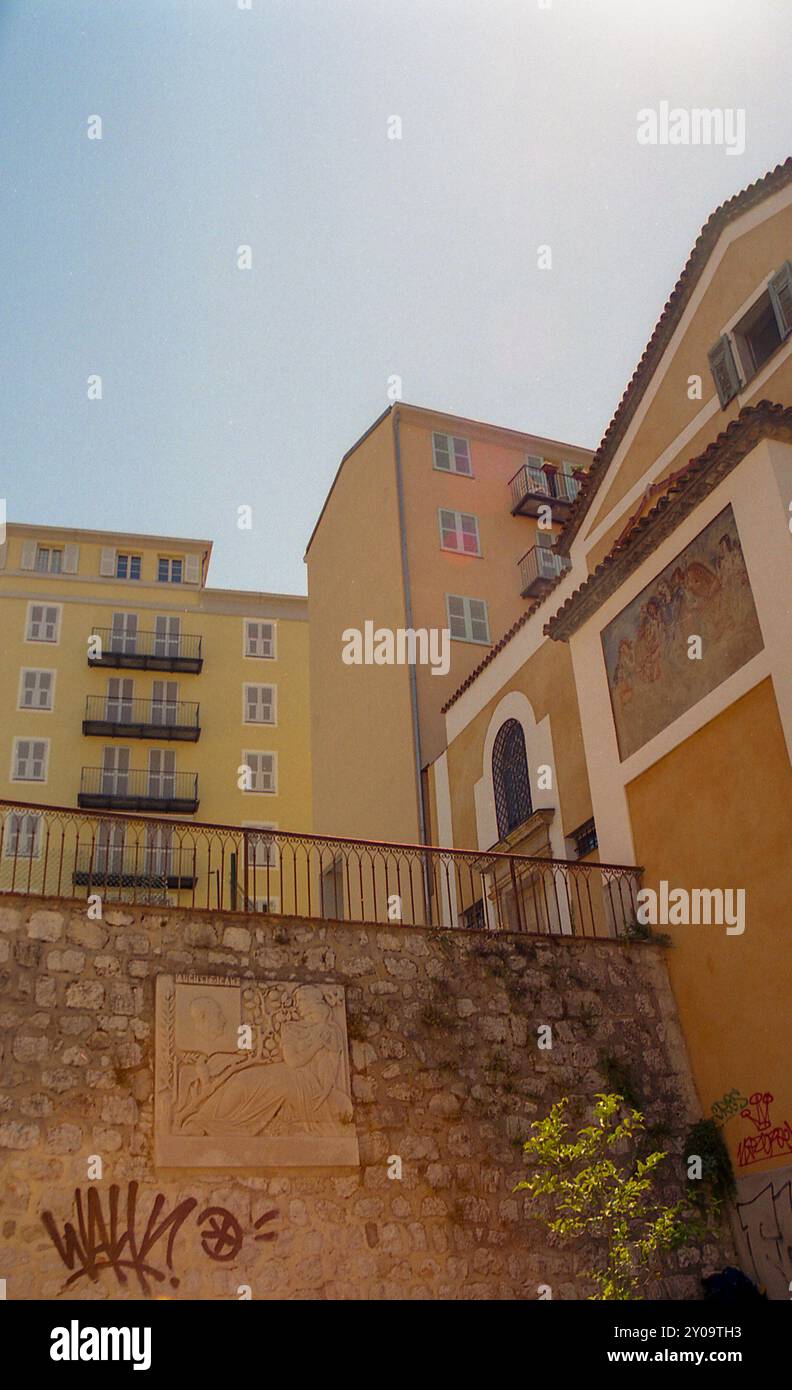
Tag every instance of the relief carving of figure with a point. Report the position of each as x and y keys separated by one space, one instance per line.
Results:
x=304 y=1091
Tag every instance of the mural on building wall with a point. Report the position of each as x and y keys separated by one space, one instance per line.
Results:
x=704 y=592
x=251 y=1075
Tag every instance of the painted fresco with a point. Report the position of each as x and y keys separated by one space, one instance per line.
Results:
x=704 y=592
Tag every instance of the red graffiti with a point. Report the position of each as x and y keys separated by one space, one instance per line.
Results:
x=769 y=1141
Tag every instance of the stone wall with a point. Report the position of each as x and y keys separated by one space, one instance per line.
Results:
x=446 y=1076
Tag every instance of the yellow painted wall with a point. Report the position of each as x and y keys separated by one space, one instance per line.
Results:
x=548 y=682
x=218 y=617
x=746 y=264
x=717 y=811
x=363 y=764
x=494 y=576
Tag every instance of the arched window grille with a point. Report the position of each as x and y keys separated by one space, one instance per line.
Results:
x=510 y=778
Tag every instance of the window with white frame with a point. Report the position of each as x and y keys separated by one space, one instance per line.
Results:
x=263 y=772
x=49 y=559
x=258 y=704
x=459 y=531
x=36 y=689
x=741 y=353
x=467 y=618
x=259 y=638
x=30 y=760
x=128 y=566
x=451 y=454
x=170 y=570
x=22 y=837
x=43 y=622
x=262 y=848
x=267 y=904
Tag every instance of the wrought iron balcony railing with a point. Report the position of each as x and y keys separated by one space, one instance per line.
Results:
x=138 y=789
x=116 y=717
x=148 y=651
x=539 y=568
x=533 y=487
x=50 y=851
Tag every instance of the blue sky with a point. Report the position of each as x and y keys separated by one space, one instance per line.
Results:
x=371 y=257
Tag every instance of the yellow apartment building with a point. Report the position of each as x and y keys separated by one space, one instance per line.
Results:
x=130 y=686
x=433 y=523
x=654 y=681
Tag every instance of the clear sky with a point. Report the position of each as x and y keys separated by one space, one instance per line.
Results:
x=371 y=257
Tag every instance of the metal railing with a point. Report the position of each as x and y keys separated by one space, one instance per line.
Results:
x=167 y=718
x=532 y=481
x=54 y=851
x=540 y=565
x=153 y=650
x=138 y=789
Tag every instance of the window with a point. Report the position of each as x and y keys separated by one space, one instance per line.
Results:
x=48 y=560
x=473 y=916
x=164 y=703
x=22 y=838
x=108 y=853
x=115 y=772
x=36 y=689
x=585 y=838
x=267 y=904
x=169 y=571
x=451 y=454
x=30 y=760
x=162 y=773
x=459 y=531
x=128 y=566
x=259 y=639
x=167 y=636
x=118 y=704
x=43 y=622
x=123 y=635
x=262 y=769
x=510 y=778
x=741 y=353
x=262 y=848
x=258 y=704
x=332 y=890
x=467 y=618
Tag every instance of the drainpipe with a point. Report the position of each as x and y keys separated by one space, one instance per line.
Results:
x=422 y=820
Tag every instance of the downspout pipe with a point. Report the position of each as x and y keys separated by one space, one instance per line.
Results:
x=421 y=804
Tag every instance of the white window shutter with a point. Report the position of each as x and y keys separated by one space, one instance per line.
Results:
x=71 y=557
x=192 y=569
x=780 y=287
x=724 y=370
x=28 y=560
x=107 y=561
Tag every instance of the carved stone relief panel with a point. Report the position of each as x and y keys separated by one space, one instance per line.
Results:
x=252 y=1074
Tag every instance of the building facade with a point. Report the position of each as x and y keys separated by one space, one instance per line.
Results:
x=434 y=523
x=654 y=687
x=129 y=686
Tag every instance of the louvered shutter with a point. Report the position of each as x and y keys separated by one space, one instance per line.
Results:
x=107 y=561
x=724 y=370
x=192 y=569
x=28 y=560
x=71 y=556
x=780 y=287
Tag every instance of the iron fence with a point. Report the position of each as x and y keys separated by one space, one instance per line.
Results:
x=134 y=718
x=51 y=851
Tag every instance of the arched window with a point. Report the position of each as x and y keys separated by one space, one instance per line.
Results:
x=510 y=778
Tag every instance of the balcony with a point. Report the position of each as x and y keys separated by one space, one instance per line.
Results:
x=533 y=487
x=539 y=569
x=115 y=717
x=100 y=866
x=146 y=651
x=175 y=793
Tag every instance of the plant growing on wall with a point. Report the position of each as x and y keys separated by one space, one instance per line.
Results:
x=601 y=1188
